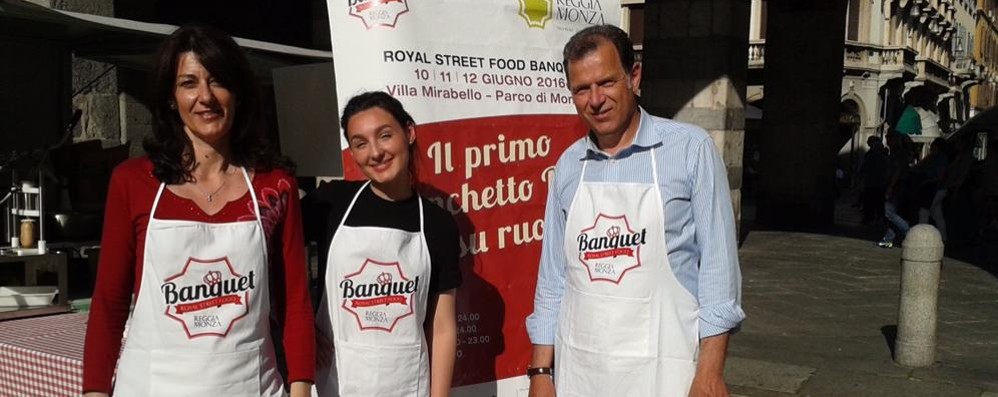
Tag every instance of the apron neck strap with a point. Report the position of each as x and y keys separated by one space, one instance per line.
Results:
x=256 y=203
x=352 y=202
x=654 y=168
x=249 y=184
x=420 y=201
x=361 y=190
x=155 y=202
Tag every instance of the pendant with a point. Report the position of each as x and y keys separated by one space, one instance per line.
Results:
x=209 y=198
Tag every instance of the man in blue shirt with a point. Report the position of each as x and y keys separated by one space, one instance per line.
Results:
x=639 y=283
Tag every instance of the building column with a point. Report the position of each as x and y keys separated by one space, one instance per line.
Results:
x=694 y=70
x=755 y=20
x=95 y=84
x=804 y=52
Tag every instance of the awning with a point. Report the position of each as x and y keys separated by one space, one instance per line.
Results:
x=127 y=43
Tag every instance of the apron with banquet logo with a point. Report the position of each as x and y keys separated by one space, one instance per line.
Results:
x=201 y=326
x=373 y=310
x=627 y=327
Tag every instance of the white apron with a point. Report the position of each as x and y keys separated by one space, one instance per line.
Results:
x=201 y=326
x=373 y=309
x=627 y=327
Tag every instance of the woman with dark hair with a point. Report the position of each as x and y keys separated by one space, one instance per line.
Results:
x=206 y=233
x=386 y=322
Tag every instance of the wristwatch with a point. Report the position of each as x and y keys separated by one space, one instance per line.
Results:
x=531 y=371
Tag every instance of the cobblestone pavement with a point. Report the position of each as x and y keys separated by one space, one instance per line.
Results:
x=822 y=314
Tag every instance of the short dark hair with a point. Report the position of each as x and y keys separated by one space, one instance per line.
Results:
x=586 y=40
x=169 y=148
x=378 y=99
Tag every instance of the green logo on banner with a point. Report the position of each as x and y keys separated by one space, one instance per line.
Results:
x=536 y=12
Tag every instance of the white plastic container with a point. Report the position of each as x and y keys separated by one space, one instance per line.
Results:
x=27 y=296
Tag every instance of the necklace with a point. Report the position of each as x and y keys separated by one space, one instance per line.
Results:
x=212 y=194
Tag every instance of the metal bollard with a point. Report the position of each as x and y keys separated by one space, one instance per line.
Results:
x=921 y=256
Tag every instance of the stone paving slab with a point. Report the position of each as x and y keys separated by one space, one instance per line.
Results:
x=835 y=383
x=830 y=303
x=758 y=374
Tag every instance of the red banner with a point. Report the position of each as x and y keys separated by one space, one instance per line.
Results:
x=384 y=300
x=214 y=302
x=609 y=253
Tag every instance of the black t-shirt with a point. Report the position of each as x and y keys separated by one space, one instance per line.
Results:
x=323 y=209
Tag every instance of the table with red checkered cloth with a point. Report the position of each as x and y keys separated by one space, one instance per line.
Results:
x=42 y=356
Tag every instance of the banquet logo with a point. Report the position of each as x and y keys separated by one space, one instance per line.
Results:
x=536 y=12
x=610 y=248
x=378 y=12
x=207 y=297
x=378 y=295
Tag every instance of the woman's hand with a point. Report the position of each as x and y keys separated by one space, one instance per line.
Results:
x=301 y=389
x=443 y=341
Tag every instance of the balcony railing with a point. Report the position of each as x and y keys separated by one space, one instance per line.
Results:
x=931 y=71
x=964 y=67
x=898 y=60
x=856 y=56
x=756 y=54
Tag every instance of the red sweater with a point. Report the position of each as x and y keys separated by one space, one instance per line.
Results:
x=130 y=196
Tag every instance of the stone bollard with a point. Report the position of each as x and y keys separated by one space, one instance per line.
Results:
x=921 y=256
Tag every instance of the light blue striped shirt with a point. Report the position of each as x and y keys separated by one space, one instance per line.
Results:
x=699 y=222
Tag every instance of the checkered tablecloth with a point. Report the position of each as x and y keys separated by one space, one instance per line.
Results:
x=42 y=356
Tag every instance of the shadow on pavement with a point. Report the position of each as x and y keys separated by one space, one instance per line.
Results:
x=980 y=250
x=890 y=333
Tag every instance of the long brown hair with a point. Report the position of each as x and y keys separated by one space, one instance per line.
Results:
x=169 y=147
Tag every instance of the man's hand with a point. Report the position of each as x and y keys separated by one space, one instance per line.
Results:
x=708 y=386
x=709 y=379
x=541 y=386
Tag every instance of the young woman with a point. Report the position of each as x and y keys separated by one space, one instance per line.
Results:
x=206 y=233
x=391 y=267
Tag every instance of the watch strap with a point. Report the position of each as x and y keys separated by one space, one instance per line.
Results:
x=531 y=371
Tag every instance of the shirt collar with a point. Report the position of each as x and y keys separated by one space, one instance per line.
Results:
x=645 y=138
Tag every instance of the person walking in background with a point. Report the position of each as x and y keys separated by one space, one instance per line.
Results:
x=639 y=284
x=897 y=190
x=206 y=232
x=931 y=173
x=875 y=174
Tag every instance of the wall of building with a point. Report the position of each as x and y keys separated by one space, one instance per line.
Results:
x=982 y=96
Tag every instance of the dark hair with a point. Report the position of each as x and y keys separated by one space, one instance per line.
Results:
x=378 y=99
x=586 y=40
x=169 y=147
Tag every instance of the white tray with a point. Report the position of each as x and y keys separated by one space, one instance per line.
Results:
x=27 y=296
